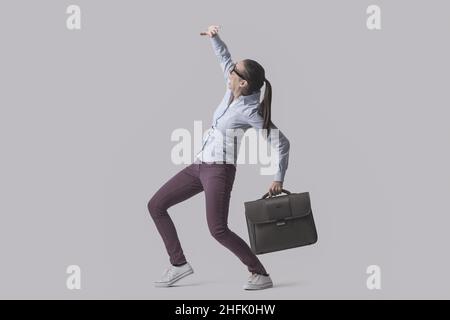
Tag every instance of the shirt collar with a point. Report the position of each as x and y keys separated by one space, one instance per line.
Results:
x=251 y=98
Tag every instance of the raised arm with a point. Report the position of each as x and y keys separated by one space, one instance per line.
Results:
x=220 y=50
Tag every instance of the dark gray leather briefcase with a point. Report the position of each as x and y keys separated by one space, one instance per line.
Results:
x=280 y=222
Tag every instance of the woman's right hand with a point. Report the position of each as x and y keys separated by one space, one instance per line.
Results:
x=212 y=31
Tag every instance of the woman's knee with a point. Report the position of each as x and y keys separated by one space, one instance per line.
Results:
x=155 y=207
x=219 y=231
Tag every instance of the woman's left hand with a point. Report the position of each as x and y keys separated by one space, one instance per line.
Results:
x=275 y=188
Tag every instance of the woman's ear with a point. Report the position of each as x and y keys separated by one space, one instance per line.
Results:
x=243 y=83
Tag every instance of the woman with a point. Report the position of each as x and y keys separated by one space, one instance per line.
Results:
x=214 y=169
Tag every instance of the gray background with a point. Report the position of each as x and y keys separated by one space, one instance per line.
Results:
x=86 y=118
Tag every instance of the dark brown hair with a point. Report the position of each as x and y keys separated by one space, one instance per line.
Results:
x=257 y=77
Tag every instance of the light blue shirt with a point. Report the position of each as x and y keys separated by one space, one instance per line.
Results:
x=231 y=120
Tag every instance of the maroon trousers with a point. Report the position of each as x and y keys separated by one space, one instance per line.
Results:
x=216 y=179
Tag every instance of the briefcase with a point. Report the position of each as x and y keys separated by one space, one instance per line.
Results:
x=280 y=222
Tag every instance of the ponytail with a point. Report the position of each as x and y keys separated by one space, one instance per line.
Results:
x=265 y=106
x=256 y=75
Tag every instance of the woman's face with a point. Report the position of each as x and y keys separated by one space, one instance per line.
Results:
x=235 y=81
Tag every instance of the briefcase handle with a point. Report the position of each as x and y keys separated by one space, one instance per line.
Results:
x=282 y=190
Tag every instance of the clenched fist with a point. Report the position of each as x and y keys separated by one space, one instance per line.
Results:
x=276 y=188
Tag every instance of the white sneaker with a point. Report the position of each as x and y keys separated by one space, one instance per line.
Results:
x=258 y=281
x=173 y=274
